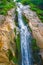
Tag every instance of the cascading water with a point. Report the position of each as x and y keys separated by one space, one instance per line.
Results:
x=25 y=40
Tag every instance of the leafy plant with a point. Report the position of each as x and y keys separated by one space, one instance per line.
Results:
x=37 y=58
x=36 y=5
x=5 y=6
x=10 y=55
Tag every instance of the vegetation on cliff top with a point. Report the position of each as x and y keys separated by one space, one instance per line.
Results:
x=6 y=5
x=36 y=5
x=18 y=47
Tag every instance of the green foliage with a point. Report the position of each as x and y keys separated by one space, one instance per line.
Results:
x=15 y=31
x=36 y=56
x=39 y=3
x=38 y=11
x=25 y=2
x=5 y=6
x=18 y=42
x=18 y=48
x=36 y=5
x=40 y=14
x=34 y=46
x=24 y=20
x=10 y=55
x=16 y=18
x=14 y=60
x=33 y=7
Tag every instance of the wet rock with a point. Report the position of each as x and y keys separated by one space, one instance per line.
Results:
x=36 y=26
x=2 y=18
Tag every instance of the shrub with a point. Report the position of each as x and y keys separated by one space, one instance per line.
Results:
x=34 y=46
x=25 y=2
x=18 y=48
x=5 y=6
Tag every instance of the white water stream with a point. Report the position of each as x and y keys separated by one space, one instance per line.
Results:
x=25 y=40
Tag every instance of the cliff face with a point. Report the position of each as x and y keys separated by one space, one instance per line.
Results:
x=36 y=27
x=7 y=36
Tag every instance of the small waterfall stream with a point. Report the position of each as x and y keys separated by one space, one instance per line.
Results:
x=25 y=40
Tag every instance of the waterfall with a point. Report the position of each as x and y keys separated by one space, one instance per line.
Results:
x=25 y=40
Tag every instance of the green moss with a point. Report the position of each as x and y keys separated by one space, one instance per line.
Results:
x=34 y=46
x=18 y=42
x=37 y=58
x=10 y=55
x=35 y=7
x=25 y=20
x=40 y=14
x=15 y=31
x=15 y=60
x=18 y=48
x=16 y=18
x=25 y=2
x=37 y=10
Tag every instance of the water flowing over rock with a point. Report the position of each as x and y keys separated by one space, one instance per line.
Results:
x=36 y=26
x=25 y=39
